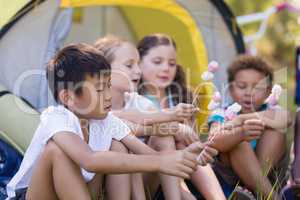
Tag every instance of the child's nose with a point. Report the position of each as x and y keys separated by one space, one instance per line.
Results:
x=137 y=70
x=108 y=95
x=248 y=91
x=165 y=67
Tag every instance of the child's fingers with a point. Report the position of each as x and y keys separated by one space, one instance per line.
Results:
x=254 y=127
x=201 y=160
x=211 y=151
x=191 y=161
x=195 y=147
x=186 y=105
x=181 y=174
x=186 y=169
x=207 y=157
x=195 y=137
x=254 y=122
x=230 y=125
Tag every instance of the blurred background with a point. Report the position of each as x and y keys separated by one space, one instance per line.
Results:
x=278 y=43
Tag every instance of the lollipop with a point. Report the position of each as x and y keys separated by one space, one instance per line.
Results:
x=232 y=111
x=215 y=102
x=273 y=99
x=208 y=75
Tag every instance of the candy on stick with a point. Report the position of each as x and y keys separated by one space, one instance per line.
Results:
x=273 y=99
x=208 y=75
x=232 y=111
x=215 y=102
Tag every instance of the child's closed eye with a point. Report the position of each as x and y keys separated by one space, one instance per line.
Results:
x=128 y=65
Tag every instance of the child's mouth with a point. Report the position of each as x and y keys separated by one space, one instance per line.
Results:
x=135 y=81
x=164 y=78
x=247 y=104
x=108 y=107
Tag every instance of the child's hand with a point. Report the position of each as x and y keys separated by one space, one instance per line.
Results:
x=178 y=163
x=183 y=111
x=186 y=135
x=252 y=129
x=204 y=151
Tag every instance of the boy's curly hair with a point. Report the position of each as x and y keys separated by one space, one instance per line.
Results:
x=249 y=62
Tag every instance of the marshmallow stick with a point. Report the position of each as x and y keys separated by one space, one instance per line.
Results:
x=215 y=102
x=273 y=99
x=232 y=111
x=208 y=75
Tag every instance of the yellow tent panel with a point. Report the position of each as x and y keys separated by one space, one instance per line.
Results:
x=8 y=9
x=143 y=15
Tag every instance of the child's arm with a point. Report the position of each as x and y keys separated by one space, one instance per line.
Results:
x=176 y=163
x=179 y=113
x=224 y=137
x=158 y=129
x=138 y=147
x=272 y=118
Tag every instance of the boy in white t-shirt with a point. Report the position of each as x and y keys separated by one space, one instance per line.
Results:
x=68 y=153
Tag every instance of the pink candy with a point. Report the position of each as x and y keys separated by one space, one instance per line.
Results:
x=215 y=101
x=273 y=99
x=208 y=75
x=229 y=115
x=232 y=111
x=217 y=97
x=213 y=66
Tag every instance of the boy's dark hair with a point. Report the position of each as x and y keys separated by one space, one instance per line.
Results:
x=69 y=67
x=249 y=62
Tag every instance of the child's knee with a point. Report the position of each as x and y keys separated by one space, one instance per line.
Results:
x=53 y=150
x=275 y=135
x=162 y=143
x=241 y=148
x=118 y=147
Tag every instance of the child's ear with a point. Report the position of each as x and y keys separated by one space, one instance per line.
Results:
x=66 y=97
x=269 y=89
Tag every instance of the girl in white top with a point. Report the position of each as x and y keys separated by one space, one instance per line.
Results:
x=140 y=113
x=71 y=143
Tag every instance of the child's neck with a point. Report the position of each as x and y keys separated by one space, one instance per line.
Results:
x=117 y=100
x=160 y=95
x=84 y=124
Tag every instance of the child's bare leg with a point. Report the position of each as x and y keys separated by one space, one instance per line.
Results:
x=245 y=163
x=137 y=187
x=119 y=181
x=270 y=149
x=186 y=195
x=170 y=184
x=56 y=176
x=205 y=180
x=95 y=186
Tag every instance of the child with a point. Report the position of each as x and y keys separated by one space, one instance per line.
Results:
x=144 y=117
x=163 y=82
x=255 y=142
x=71 y=143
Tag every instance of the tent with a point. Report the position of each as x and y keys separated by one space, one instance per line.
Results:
x=33 y=30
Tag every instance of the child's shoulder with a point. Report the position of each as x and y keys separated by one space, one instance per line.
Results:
x=137 y=101
x=57 y=113
x=59 y=118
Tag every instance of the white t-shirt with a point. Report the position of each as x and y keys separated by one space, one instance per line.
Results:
x=135 y=101
x=57 y=119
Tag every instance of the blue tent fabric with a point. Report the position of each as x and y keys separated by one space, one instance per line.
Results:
x=10 y=161
x=297 y=92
